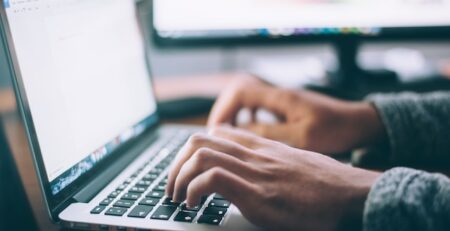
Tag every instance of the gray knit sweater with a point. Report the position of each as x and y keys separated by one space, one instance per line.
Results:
x=418 y=129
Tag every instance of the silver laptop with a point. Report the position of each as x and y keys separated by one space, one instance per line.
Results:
x=83 y=86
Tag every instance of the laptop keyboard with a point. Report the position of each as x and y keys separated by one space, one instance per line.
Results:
x=142 y=195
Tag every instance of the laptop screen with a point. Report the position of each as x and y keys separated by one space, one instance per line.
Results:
x=86 y=80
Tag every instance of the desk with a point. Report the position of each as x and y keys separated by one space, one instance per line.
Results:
x=166 y=88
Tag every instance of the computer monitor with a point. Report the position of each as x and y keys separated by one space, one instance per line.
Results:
x=302 y=20
x=342 y=22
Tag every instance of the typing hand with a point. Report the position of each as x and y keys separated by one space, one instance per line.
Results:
x=308 y=120
x=274 y=186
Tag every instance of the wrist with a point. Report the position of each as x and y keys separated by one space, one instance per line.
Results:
x=367 y=124
x=358 y=191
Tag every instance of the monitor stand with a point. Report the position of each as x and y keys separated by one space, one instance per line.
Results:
x=350 y=79
x=352 y=82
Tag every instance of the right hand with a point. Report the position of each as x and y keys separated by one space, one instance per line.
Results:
x=275 y=186
x=309 y=120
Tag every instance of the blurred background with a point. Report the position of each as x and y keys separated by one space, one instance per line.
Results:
x=425 y=57
x=198 y=62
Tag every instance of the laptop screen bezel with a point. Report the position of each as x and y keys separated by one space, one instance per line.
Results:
x=55 y=203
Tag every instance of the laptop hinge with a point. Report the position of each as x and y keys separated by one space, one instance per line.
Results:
x=103 y=179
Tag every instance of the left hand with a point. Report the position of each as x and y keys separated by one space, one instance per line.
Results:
x=308 y=120
x=274 y=186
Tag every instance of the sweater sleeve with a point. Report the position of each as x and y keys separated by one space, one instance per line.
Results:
x=418 y=127
x=407 y=199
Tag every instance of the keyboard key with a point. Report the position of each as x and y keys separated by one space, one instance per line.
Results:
x=184 y=207
x=114 y=194
x=218 y=196
x=143 y=183
x=209 y=219
x=106 y=201
x=140 y=211
x=150 y=177
x=135 y=175
x=155 y=194
x=124 y=203
x=164 y=181
x=166 y=162
x=185 y=216
x=98 y=209
x=164 y=212
x=122 y=187
x=149 y=201
x=169 y=201
x=162 y=165
x=131 y=196
x=219 y=203
x=137 y=189
x=215 y=211
x=115 y=211
x=160 y=188
x=195 y=208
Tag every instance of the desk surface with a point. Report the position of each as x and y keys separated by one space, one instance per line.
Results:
x=167 y=88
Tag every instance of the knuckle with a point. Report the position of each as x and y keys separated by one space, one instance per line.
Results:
x=184 y=169
x=288 y=96
x=197 y=139
x=214 y=130
x=215 y=175
x=201 y=156
x=240 y=83
x=238 y=88
x=271 y=196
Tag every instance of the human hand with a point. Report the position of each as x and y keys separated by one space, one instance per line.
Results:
x=308 y=120
x=274 y=186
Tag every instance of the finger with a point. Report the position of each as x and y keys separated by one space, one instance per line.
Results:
x=219 y=180
x=253 y=115
x=198 y=141
x=239 y=96
x=239 y=136
x=203 y=160
x=278 y=132
x=226 y=106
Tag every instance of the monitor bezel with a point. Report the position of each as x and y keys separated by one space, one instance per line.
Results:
x=387 y=34
x=56 y=203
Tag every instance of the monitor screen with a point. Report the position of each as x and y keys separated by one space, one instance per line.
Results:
x=84 y=73
x=203 y=19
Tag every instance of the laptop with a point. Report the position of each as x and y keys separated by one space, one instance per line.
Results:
x=83 y=86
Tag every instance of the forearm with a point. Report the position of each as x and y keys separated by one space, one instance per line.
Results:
x=417 y=127
x=406 y=199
